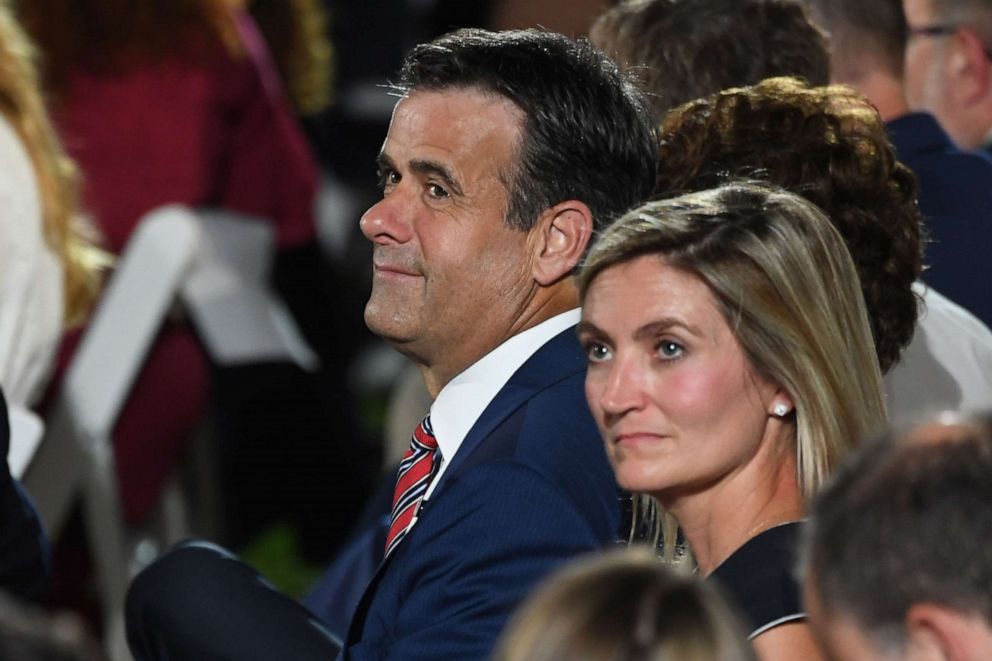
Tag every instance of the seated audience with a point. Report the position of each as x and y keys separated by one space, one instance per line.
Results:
x=897 y=547
x=948 y=364
x=505 y=153
x=728 y=375
x=49 y=269
x=867 y=48
x=829 y=145
x=624 y=605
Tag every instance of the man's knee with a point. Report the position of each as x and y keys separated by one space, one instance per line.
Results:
x=166 y=597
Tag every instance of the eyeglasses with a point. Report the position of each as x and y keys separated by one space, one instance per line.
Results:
x=932 y=30
x=940 y=31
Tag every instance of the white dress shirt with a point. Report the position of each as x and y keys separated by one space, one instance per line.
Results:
x=461 y=402
x=948 y=365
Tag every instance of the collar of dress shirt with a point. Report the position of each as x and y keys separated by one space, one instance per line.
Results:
x=464 y=398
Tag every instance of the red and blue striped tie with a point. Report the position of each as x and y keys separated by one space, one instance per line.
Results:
x=414 y=476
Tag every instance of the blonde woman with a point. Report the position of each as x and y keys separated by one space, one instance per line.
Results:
x=624 y=605
x=731 y=365
x=49 y=269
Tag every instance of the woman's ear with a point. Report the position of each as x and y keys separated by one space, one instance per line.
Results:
x=561 y=235
x=781 y=403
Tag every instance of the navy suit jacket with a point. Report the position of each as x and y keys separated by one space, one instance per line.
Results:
x=956 y=199
x=24 y=553
x=529 y=488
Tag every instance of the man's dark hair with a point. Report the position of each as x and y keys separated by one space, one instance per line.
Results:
x=863 y=35
x=586 y=134
x=684 y=49
x=829 y=145
x=906 y=520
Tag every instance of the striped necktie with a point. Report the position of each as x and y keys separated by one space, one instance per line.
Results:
x=414 y=475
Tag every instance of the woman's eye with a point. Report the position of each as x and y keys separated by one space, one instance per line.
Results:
x=597 y=353
x=668 y=349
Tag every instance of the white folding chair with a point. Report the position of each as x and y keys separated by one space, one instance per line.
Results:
x=217 y=265
x=26 y=430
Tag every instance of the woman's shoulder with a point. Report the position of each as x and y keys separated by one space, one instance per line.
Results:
x=759 y=579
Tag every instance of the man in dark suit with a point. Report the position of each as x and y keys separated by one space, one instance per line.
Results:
x=505 y=153
x=868 y=43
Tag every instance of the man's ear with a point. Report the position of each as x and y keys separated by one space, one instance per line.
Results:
x=560 y=235
x=934 y=631
x=970 y=64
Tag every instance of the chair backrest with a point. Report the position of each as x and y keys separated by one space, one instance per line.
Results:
x=127 y=318
x=237 y=315
x=218 y=265
x=26 y=430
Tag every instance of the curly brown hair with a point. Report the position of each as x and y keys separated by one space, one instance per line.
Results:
x=829 y=145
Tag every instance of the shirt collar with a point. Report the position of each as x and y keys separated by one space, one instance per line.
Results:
x=464 y=398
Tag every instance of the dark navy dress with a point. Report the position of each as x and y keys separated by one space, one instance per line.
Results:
x=759 y=579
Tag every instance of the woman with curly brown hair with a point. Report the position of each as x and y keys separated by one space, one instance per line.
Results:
x=829 y=145
x=50 y=268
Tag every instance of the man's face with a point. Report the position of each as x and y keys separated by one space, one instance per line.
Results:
x=927 y=79
x=449 y=275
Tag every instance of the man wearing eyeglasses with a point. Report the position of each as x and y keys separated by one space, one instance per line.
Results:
x=868 y=49
x=948 y=73
x=949 y=68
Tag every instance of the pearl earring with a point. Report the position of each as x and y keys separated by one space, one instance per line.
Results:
x=780 y=410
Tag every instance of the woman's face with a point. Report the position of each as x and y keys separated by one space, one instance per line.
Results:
x=678 y=404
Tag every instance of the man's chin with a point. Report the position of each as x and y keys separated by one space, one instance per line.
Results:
x=389 y=327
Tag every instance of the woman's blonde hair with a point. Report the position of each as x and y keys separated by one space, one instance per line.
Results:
x=624 y=606
x=785 y=284
x=68 y=233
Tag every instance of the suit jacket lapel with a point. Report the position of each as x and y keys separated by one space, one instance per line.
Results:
x=559 y=359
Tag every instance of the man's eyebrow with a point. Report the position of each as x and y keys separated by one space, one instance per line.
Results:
x=383 y=162
x=439 y=170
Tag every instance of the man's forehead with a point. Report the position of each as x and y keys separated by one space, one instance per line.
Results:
x=458 y=104
x=460 y=125
x=919 y=9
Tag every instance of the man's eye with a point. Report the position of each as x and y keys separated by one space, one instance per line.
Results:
x=388 y=178
x=437 y=191
x=597 y=353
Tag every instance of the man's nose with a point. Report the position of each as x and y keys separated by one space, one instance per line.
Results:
x=387 y=221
